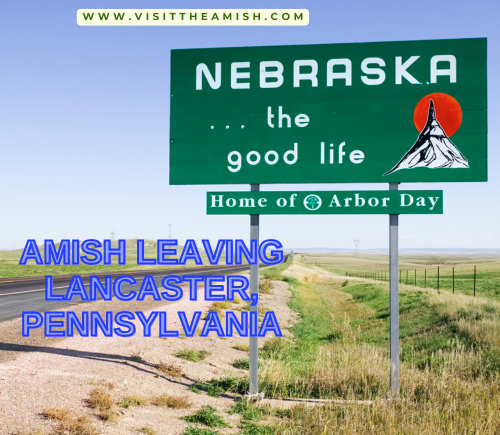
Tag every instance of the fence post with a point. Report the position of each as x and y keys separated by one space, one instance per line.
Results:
x=453 y=274
x=438 y=279
x=474 y=280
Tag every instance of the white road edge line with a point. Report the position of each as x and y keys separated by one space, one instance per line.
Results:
x=29 y=291
x=54 y=288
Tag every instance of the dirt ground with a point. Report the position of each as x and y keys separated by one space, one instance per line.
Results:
x=37 y=373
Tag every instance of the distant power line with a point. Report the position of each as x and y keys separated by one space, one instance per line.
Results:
x=356 y=247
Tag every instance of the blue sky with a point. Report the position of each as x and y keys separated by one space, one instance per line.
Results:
x=84 y=125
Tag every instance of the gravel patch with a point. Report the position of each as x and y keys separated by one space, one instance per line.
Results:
x=37 y=373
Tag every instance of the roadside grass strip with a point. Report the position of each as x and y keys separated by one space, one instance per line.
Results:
x=450 y=373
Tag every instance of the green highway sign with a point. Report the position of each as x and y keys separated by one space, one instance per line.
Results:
x=327 y=202
x=413 y=111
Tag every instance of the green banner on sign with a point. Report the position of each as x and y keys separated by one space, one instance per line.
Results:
x=327 y=202
x=379 y=112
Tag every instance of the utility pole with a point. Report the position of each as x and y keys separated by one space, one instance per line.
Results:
x=112 y=238
x=169 y=231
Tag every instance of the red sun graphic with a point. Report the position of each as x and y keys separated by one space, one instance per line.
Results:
x=448 y=112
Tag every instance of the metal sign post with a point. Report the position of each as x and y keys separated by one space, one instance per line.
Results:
x=253 y=393
x=394 y=298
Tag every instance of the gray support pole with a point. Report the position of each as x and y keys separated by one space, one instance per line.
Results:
x=394 y=298
x=254 y=288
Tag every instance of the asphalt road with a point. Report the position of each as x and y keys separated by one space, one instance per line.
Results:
x=28 y=294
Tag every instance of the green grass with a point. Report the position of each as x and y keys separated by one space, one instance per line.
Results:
x=247 y=410
x=216 y=387
x=192 y=355
x=424 y=334
x=207 y=416
x=274 y=272
x=252 y=416
x=197 y=388
x=228 y=384
x=274 y=345
x=10 y=268
x=193 y=430
x=422 y=331
x=242 y=364
x=252 y=428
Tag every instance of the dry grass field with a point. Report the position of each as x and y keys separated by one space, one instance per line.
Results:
x=421 y=270
x=450 y=353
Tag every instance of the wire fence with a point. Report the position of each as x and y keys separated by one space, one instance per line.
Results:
x=411 y=277
x=464 y=279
